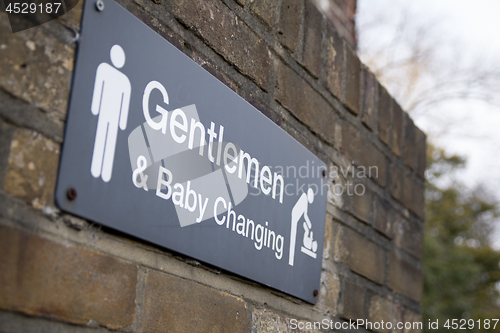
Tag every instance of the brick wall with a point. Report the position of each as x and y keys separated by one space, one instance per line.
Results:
x=59 y=273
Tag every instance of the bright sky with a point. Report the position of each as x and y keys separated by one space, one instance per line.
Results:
x=473 y=26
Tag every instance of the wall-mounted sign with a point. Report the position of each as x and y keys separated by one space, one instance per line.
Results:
x=158 y=148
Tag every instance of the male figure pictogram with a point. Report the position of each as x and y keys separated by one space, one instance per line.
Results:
x=110 y=101
x=299 y=210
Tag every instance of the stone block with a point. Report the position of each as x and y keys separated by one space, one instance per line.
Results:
x=410 y=142
x=329 y=293
x=410 y=236
x=334 y=62
x=361 y=205
x=228 y=35
x=36 y=68
x=289 y=25
x=177 y=305
x=312 y=39
x=397 y=129
x=295 y=94
x=384 y=115
x=354 y=300
x=43 y=278
x=396 y=187
x=404 y=278
x=421 y=148
x=361 y=254
x=33 y=165
x=362 y=151
x=352 y=83
x=265 y=10
x=370 y=99
x=385 y=217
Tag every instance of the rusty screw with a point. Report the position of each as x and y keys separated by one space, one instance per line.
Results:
x=71 y=194
x=324 y=173
x=315 y=292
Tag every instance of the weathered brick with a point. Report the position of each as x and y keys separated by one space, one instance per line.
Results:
x=40 y=277
x=421 y=148
x=334 y=62
x=396 y=187
x=404 y=278
x=380 y=309
x=384 y=115
x=228 y=35
x=329 y=292
x=413 y=195
x=33 y=164
x=312 y=39
x=385 y=217
x=73 y=17
x=397 y=129
x=36 y=67
x=410 y=235
x=289 y=25
x=360 y=254
x=361 y=205
x=410 y=142
x=353 y=299
x=266 y=10
x=6 y=133
x=352 y=93
x=416 y=322
x=177 y=305
x=369 y=99
x=265 y=321
x=359 y=149
x=241 y=2
x=295 y=94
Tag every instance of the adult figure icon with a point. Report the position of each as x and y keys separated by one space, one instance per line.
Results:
x=110 y=101
x=299 y=210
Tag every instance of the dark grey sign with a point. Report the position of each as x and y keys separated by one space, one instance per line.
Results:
x=158 y=148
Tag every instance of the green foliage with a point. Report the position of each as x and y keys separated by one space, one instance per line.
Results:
x=461 y=269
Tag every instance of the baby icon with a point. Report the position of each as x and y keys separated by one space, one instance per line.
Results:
x=310 y=246
x=110 y=101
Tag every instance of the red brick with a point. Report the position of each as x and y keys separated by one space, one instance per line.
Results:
x=334 y=62
x=228 y=35
x=352 y=85
x=295 y=94
x=312 y=39
x=290 y=17
x=43 y=278
x=174 y=304
x=404 y=278
x=384 y=115
x=360 y=254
